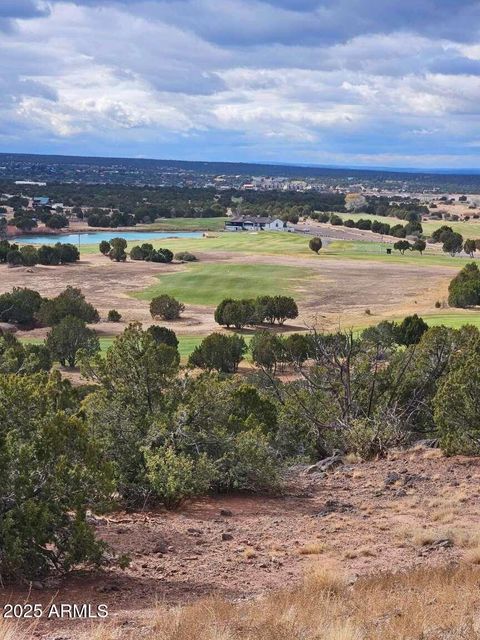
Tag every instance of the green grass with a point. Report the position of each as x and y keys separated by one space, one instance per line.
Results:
x=262 y=243
x=377 y=251
x=469 y=229
x=185 y=224
x=455 y=320
x=208 y=283
x=185 y=347
x=289 y=244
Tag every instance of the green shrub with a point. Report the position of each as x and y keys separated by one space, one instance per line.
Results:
x=68 y=338
x=218 y=352
x=457 y=410
x=464 y=289
x=51 y=472
x=252 y=464
x=315 y=244
x=114 y=316
x=105 y=247
x=174 y=476
x=166 y=307
x=20 y=306
x=29 y=256
x=71 y=302
x=185 y=256
x=162 y=335
x=370 y=438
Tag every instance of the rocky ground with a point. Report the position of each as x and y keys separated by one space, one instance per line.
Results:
x=414 y=508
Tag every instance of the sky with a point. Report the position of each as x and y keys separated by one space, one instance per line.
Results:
x=393 y=83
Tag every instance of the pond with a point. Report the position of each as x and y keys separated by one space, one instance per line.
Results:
x=94 y=237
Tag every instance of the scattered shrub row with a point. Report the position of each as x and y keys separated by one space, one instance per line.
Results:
x=29 y=256
x=271 y=309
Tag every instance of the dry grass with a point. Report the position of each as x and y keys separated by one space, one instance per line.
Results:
x=473 y=556
x=312 y=549
x=13 y=631
x=427 y=604
x=425 y=536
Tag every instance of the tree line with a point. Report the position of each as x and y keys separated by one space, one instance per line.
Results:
x=412 y=227
x=240 y=313
x=28 y=255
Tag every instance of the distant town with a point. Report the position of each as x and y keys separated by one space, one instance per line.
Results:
x=224 y=176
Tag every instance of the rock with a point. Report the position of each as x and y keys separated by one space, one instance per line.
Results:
x=227 y=536
x=429 y=443
x=444 y=543
x=37 y=585
x=107 y=588
x=327 y=464
x=335 y=506
x=392 y=478
x=7 y=327
x=226 y=513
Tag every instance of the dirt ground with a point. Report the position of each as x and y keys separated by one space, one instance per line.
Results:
x=340 y=293
x=414 y=508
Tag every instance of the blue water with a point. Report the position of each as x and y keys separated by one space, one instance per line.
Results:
x=95 y=237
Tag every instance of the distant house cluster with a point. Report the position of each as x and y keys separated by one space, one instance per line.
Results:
x=256 y=223
x=41 y=201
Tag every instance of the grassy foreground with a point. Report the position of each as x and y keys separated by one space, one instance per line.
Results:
x=209 y=283
x=424 y=603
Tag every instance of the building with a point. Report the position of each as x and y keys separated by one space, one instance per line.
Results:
x=256 y=223
x=40 y=201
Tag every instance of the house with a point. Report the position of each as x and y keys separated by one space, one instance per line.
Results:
x=255 y=223
x=40 y=201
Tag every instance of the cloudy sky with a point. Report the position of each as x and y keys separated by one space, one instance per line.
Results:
x=344 y=82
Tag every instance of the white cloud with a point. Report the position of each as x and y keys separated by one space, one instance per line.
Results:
x=89 y=73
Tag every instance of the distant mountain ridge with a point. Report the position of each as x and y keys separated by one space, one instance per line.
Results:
x=58 y=167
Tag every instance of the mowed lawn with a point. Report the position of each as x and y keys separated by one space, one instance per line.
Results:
x=209 y=283
x=469 y=229
x=262 y=243
x=290 y=244
x=377 y=251
x=455 y=319
x=184 y=224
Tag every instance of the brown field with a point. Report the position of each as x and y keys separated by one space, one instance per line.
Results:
x=340 y=292
x=414 y=515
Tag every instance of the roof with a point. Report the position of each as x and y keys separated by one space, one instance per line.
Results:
x=252 y=220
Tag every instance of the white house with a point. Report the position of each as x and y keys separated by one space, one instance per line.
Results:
x=255 y=223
